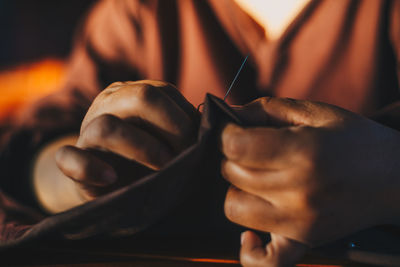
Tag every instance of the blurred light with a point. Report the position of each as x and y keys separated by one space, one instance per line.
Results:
x=273 y=15
x=25 y=83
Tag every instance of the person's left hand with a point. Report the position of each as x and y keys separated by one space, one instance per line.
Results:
x=311 y=172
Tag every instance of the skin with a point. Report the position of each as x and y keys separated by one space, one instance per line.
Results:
x=307 y=172
x=131 y=128
x=310 y=173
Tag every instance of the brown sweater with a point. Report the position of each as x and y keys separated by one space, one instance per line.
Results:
x=341 y=52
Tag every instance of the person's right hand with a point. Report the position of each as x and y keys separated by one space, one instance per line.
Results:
x=130 y=130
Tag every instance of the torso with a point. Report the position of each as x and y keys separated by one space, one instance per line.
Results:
x=332 y=51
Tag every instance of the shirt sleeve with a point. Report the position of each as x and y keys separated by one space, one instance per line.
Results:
x=107 y=48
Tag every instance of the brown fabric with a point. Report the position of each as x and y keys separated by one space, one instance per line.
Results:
x=344 y=52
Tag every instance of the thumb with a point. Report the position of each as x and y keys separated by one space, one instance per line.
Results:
x=281 y=251
x=272 y=111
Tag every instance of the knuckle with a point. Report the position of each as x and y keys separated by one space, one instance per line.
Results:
x=305 y=113
x=291 y=101
x=119 y=83
x=115 y=86
x=301 y=106
x=143 y=91
x=147 y=93
x=264 y=101
x=157 y=83
x=102 y=127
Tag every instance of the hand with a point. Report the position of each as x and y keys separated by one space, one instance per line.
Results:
x=130 y=130
x=279 y=252
x=311 y=173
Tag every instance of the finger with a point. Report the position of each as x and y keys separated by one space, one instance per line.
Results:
x=253 y=181
x=145 y=101
x=83 y=167
x=251 y=211
x=258 y=147
x=181 y=101
x=287 y=111
x=252 y=251
x=254 y=115
x=280 y=251
x=110 y=133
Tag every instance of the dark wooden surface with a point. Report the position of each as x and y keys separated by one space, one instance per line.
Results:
x=141 y=252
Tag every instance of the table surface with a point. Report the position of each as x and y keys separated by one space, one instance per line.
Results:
x=140 y=252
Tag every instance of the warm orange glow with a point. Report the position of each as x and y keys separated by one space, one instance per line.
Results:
x=273 y=15
x=25 y=83
x=213 y=260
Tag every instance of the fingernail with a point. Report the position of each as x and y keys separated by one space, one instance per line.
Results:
x=109 y=176
x=242 y=238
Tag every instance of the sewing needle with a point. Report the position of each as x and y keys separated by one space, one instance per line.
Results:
x=234 y=80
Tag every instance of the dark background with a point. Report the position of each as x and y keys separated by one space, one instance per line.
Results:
x=34 y=29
